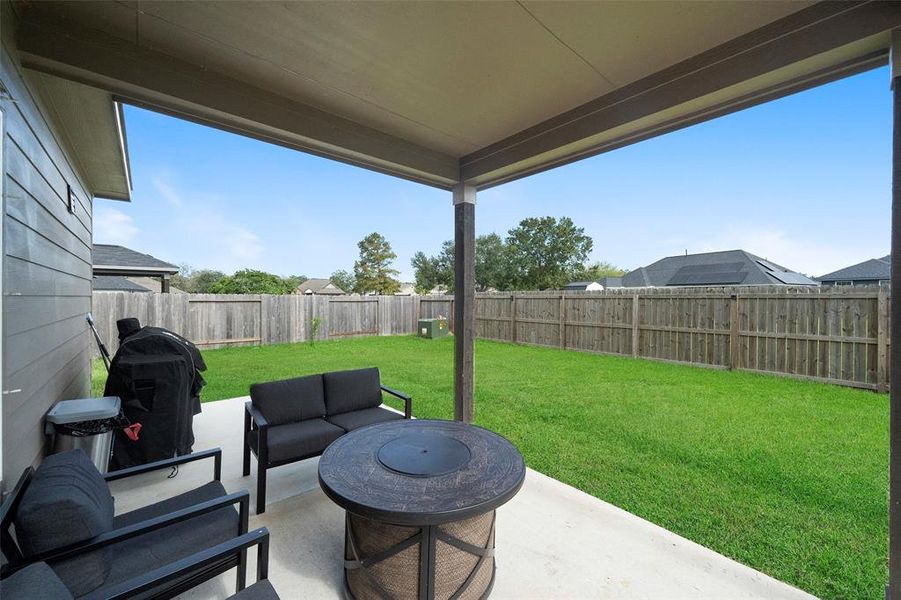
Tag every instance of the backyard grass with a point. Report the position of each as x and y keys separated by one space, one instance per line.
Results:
x=786 y=476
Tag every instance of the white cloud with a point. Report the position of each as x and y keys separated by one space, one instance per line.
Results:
x=112 y=226
x=219 y=242
x=165 y=189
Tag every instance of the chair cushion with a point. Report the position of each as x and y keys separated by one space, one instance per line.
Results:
x=35 y=582
x=67 y=502
x=299 y=440
x=209 y=491
x=261 y=590
x=159 y=548
x=352 y=390
x=361 y=418
x=289 y=400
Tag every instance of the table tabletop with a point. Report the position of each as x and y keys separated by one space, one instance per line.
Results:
x=421 y=472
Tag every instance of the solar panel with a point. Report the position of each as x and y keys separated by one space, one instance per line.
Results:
x=719 y=274
x=790 y=278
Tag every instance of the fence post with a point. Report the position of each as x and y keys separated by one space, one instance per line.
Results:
x=636 y=327
x=264 y=338
x=513 y=318
x=562 y=311
x=415 y=311
x=378 y=314
x=882 y=308
x=734 y=354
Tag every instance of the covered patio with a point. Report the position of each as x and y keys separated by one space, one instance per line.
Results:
x=458 y=96
x=555 y=541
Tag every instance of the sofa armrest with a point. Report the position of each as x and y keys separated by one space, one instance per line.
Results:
x=241 y=498
x=408 y=401
x=258 y=419
x=190 y=564
x=262 y=425
x=214 y=453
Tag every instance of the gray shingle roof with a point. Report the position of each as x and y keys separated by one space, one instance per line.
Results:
x=875 y=269
x=729 y=267
x=107 y=255
x=114 y=283
x=318 y=286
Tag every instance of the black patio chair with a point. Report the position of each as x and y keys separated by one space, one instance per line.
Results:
x=38 y=580
x=62 y=514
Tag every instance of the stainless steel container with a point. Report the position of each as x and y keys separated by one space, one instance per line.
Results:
x=85 y=423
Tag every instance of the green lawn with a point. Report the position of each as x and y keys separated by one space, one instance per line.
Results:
x=786 y=476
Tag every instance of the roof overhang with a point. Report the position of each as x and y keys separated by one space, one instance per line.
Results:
x=89 y=122
x=128 y=271
x=477 y=92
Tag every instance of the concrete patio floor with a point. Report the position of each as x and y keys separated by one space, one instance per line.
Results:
x=553 y=541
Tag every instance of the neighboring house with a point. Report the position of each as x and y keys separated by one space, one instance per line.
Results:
x=729 y=267
x=115 y=283
x=323 y=287
x=609 y=282
x=876 y=271
x=406 y=289
x=119 y=261
x=583 y=286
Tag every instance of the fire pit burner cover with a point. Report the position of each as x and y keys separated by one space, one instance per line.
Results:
x=425 y=454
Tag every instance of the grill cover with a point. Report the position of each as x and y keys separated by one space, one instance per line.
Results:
x=156 y=373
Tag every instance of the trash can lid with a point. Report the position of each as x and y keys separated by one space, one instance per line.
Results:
x=84 y=409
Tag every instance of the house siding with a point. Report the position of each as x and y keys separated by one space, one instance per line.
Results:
x=46 y=270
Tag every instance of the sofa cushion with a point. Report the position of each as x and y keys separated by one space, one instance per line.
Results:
x=67 y=502
x=361 y=418
x=289 y=400
x=299 y=440
x=35 y=582
x=352 y=390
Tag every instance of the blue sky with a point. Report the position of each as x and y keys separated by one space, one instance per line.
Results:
x=804 y=181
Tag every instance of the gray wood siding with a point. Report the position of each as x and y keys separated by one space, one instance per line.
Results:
x=46 y=272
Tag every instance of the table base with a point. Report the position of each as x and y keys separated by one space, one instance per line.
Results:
x=448 y=561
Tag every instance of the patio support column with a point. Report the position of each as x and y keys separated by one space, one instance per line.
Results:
x=893 y=591
x=464 y=300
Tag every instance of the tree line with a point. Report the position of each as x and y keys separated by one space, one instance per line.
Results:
x=540 y=253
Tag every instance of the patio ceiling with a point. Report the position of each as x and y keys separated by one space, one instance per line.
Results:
x=445 y=92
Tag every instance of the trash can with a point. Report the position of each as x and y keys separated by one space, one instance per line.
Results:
x=86 y=423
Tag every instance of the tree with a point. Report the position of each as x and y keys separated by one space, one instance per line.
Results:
x=492 y=263
x=434 y=271
x=204 y=280
x=294 y=281
x=343 y=280
x=373 y=272
x=183 y=279
x=195 y=281
x=425 y=272
x=250 y=281
x=544 y=252
x=596 y=271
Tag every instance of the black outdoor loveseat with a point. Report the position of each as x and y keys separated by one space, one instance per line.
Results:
x=61 y=538
x=295 y=419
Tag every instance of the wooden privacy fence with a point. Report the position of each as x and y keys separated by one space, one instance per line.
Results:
x=836 y=335
x=219 y=320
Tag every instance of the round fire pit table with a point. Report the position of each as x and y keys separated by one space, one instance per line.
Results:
x=420 y=498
